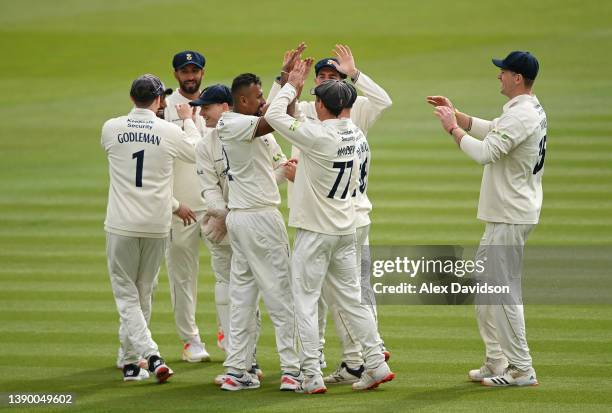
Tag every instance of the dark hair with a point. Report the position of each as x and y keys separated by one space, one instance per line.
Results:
x=143 y=103
x=244 y=80
x=336 y=95
x=333 y=110
x=528 y=82
x=353 y=97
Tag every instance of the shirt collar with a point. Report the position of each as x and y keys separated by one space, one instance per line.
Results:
x=147 y=113
x=335 y=121
x=180 y=98
x=518 y=99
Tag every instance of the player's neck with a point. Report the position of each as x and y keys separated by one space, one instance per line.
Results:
x=518 y=92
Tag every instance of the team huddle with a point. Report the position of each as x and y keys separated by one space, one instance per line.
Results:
x=191 y=165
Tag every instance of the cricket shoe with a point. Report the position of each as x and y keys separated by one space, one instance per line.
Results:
x=245 y=381
x=512 y=376
x=322 y=362
x=157 y=366
x=291 y=381
x=142 y=363
x=220 y=379
x=372 y=378
x=344 y=375
x=195 y=352
x=312 y=385
x=132 y=372
x=256 y=371
x=491 y=368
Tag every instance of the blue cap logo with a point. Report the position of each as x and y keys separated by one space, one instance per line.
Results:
x=188 y=57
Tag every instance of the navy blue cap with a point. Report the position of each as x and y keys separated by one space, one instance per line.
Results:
x=335 y=94
x=188 y=57
x=327 y=63
x=520 y=62
x=214 y=94
x=353 y=97
x=148 y=87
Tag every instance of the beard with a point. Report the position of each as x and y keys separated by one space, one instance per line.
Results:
x=191 y=87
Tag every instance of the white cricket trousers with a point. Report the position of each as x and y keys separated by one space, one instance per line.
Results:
x=502 y=326
x=351 y=348
x=133 y=266
x=260 y=264
x=183 y=262
x=327 y=264
x=220 y=262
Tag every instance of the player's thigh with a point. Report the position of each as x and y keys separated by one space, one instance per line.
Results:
x=343 y=274
x=220 y=260
x=268 y=252
x=363 y=253
x=185 y=239
x=310 y=260
x=123 y=254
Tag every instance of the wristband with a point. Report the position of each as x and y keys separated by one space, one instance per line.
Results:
x=450 y=131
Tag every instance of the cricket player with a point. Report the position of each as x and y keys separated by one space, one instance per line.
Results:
x=324 y=257
x=183 y=250
x=141 y=149
x=212 y=172
x=366 y=110
x=512 y=148
x=258 y=237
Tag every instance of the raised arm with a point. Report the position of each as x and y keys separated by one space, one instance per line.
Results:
x=497 y=143
x=377 y=99
x=299 y=133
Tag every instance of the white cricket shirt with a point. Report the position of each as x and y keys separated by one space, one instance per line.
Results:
x=212 y=170
x=327 y=172
x=513 y=151
x=252 y=161
x=141 y=149
x=363 y=206
x=366 y=110
x=185 y=182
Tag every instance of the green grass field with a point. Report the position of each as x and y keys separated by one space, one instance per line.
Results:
x=66 y=67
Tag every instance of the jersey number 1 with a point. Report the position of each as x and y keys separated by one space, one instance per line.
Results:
x=139 y=156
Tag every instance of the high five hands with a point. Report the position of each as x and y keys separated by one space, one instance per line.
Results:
x=300 y=71
x=346 y=62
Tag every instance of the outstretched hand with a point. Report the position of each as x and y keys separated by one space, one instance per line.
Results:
x=292 y=56
x=447 y=117
x=346 y=62
x=300 y=71
x=440 y=101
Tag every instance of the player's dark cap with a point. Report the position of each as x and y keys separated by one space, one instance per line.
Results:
x=147 y=87
x=188 y=57
x=327 y=63
x=353 y=97
x=335 y=94
x=214 y=94
x=520 y=62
